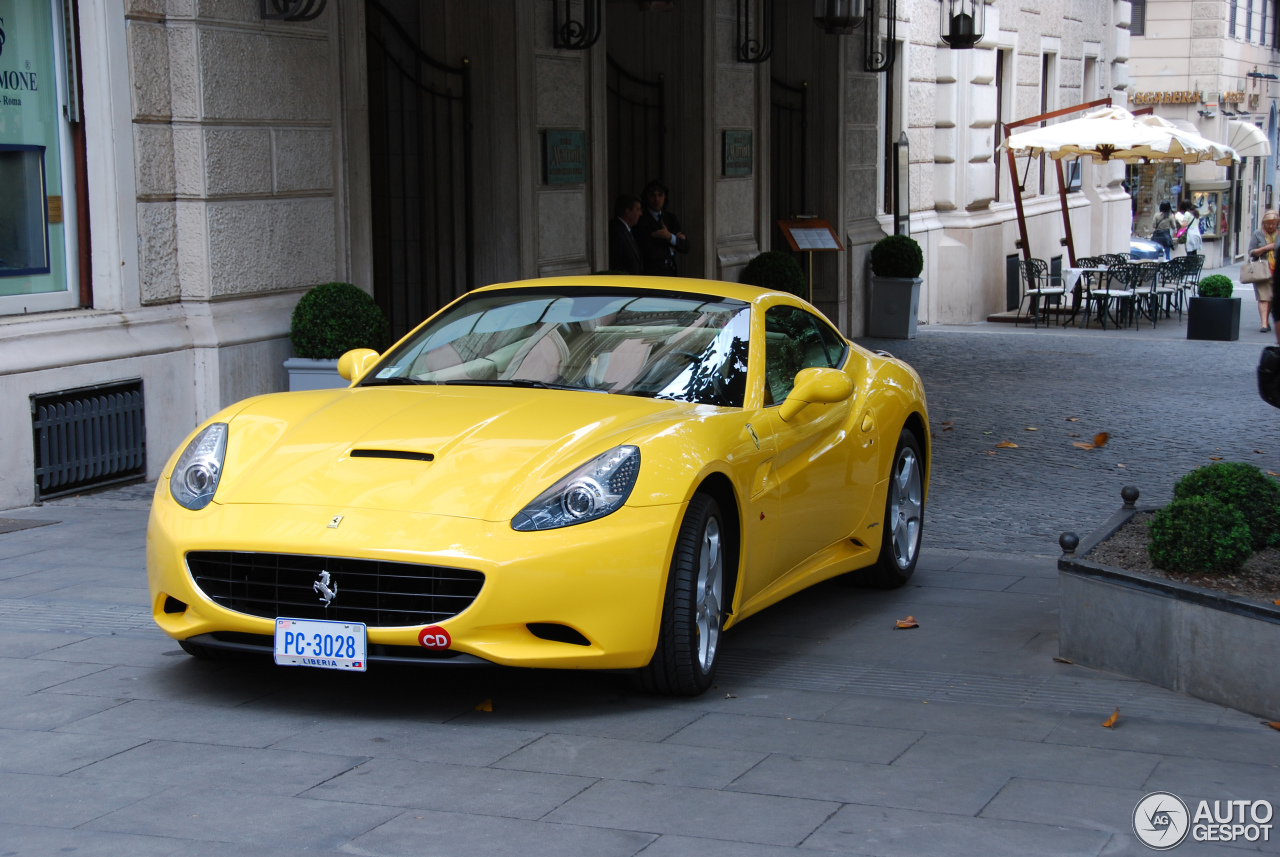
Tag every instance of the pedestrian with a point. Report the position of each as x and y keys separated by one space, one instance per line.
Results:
x=659 y=233
x=1162 y=227
x=1263 y=245
x=624 y=253
x=1194 y=238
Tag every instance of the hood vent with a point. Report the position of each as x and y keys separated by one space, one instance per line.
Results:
x=392 y=453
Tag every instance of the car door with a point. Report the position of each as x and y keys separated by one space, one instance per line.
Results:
x=818 y=452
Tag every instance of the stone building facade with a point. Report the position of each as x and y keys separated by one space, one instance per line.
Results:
x=217 y=164
x=1212 y=66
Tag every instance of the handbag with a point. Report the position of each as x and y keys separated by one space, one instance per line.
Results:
x=1269 y=376
x=1163 y=237
x=1255 y=271
x=1181 y=235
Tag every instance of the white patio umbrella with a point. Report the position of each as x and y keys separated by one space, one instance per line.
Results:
x=1115 y=134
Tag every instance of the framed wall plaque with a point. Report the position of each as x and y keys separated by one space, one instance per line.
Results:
x=565 y=157
x=736 y=154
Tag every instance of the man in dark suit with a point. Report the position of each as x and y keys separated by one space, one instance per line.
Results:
x=624 y=252
x=659 y=233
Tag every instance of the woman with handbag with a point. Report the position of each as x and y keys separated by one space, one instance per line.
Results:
x=1187 y=229
x=1262 y=247
x=1162 y=227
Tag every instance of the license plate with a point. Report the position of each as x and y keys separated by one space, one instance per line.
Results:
x=321 y=643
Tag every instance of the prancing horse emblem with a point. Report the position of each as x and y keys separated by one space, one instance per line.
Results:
x=322 y=587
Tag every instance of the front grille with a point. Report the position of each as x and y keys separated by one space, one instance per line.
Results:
x=379 y=594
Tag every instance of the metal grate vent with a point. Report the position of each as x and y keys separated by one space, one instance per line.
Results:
x=88 y=437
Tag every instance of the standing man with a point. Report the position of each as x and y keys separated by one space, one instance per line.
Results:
x=659 y=233
x=624 y=253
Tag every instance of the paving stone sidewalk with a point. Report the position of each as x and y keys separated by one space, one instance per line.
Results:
x=828 y=731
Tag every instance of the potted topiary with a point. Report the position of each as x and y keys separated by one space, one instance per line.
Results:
x=776 y=271
x=329 y=321
x=896 y=263
x=1214 y=313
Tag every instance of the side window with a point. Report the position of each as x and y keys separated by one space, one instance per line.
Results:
x=792 y=342
x=837 y=350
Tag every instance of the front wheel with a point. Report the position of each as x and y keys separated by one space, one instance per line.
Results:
x=903 y=517
x=684 y=662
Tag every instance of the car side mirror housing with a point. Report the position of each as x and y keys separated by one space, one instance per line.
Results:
x=353 y=364
x=816 y=386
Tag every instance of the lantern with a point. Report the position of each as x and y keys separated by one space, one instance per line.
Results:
x=839 y=16
x=962 y=22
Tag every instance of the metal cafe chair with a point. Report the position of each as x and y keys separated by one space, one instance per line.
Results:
x=1167 y=287
x=1112 y=295
x=1192 y=266
x=1144 y=279
x=1037 y=286
x=1114 y=259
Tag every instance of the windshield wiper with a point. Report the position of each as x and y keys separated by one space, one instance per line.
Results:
x=387 y=382
x=520 y=382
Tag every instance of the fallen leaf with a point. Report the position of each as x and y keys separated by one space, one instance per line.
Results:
x=1274 y=724
x=1004 y=444
x=1100 y=439
x=1111 y=721
x=988 y=432
x=1031 y=428
x=991 y=452
x=487 y=705
x=730 y=696
x=1063 y=661
x=1080 y=445
x=946 y=422
x=1258 y=452
x=1276 y=602
x=1269 y=473
x=1215 y=458
x=948 y=428
x=1073 y=419
x=909 y=622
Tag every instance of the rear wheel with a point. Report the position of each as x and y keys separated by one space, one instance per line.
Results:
x=684 y=662
x=903 y=517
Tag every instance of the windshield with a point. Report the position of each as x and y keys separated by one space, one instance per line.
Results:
x=661 y=345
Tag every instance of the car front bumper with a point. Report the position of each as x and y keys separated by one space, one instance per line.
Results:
x=605 y=579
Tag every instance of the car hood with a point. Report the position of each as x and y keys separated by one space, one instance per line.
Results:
x=492 y=449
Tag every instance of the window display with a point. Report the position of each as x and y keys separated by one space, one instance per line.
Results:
x=24 y=227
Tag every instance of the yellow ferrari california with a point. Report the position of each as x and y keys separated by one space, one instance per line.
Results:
x=588 y=472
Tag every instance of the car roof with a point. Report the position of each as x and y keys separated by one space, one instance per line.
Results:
x=719 y=288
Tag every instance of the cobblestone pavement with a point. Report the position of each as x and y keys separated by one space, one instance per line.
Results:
x=828 y=730
x=1169 y=405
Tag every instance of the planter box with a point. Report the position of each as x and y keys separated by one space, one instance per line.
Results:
x=307 y=374
x=1214 y=318
x=895 y=307
x=1206 y=644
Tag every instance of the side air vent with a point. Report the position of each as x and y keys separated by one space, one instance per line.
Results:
x=173 y=605
x=557 y=633
x=88 y=437
x=392 y=453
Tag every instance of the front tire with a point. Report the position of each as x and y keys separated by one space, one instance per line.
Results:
x=684 y=662
x=903 y=517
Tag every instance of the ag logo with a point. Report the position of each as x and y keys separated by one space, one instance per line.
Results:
x=1160 y=819
x=434 y=637
x=1 y=35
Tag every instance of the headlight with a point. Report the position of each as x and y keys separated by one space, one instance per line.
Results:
x=595 y=489
x=195 y=478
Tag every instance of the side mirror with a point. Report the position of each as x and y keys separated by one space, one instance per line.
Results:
x=356 y=362
x=816 y=386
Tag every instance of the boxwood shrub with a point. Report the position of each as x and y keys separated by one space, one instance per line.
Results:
x=1243 y=487
x=1216 y=286
x=776 y=271
x=897 y=256
x=1198 y=534
x=334 y=318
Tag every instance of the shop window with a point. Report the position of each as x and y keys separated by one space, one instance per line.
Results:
x=24 y=223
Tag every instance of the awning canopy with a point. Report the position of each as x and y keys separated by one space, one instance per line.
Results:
x=1115 y=134
x=1247 y=139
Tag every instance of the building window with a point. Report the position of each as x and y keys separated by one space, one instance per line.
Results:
x=1138 y=17
x=1231 y=20
x=24 y=226
x=1048 y=99
x=1248 y=21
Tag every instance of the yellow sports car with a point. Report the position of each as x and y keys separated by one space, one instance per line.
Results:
x=587 y=472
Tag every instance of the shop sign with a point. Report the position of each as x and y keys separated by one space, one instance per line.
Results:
x=1145 y=98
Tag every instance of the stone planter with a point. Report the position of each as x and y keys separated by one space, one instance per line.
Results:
x=1214 y=318
x=895 y=307
x=307 y=374
x=1206 y=644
